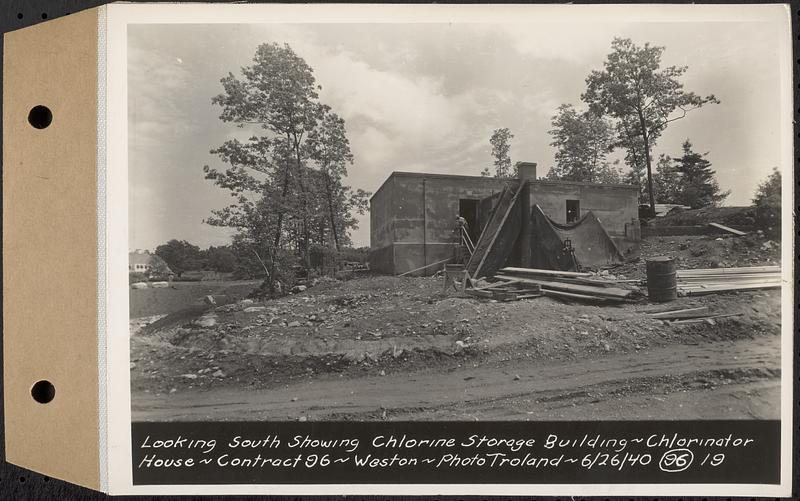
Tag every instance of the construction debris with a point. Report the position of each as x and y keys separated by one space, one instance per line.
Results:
x=728 y=229
x=714 y=280
x=681 y=314
x=569 y=285
x=708 y=320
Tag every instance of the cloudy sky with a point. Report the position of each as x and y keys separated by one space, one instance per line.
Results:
x=426 y=97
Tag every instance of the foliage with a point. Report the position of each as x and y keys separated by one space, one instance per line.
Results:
x=666 y=181
x=689 y=180
x=181 y=256
x=582 y=142
x=288 y=180
x=501 y=148
x=768 y=204
x=769 y=190
x=355 y=254
x=136 y=276
x=643 y=97
x=220 y=259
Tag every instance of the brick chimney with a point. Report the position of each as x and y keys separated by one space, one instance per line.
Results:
x=527 y=170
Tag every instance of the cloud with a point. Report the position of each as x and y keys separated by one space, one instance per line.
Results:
x=427 y=97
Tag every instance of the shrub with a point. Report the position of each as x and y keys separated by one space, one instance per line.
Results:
x=768 y=204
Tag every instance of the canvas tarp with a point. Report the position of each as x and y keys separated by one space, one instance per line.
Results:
x=592 y=246
x=498 y=244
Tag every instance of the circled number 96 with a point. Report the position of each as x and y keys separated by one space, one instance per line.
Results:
x=676 y=460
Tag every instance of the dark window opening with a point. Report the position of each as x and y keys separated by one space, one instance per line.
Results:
x=468 y=209
x=573 y=210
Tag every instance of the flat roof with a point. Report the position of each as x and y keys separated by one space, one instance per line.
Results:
x=430 y=175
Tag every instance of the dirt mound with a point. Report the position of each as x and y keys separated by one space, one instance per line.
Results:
x=693 y=252
x=389 y=325
x=728 y=216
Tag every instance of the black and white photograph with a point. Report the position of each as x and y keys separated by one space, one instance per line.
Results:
x=521 y=221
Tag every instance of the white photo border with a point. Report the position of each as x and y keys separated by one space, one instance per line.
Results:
x=117 y=456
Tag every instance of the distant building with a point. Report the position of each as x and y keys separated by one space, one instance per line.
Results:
x=142 y=261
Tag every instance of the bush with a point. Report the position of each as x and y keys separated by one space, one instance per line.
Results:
x=136 y=277
x=768 y=204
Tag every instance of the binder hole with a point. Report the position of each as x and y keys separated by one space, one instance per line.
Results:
x=40 y=117
x=43 y=391
x=44 y=15
x=19 y=15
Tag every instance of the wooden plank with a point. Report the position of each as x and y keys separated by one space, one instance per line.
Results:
x=580 y=297
x=535 y=271
x=581 y=289
x=685 y=313
x=728 y=271
x=425 y=267
x=496 y=284
x=528 y=290
x=738 y=276
x=728 y=229
x=495 y=229
x=712 y=290
x=504 y=296
x=704 y=319
x=728 y=283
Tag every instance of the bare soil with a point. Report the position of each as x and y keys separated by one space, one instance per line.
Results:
x=400 y=348
x=711 y=251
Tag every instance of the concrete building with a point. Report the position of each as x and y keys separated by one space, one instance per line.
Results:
x=412 y=215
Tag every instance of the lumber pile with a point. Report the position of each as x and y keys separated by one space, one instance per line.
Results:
x=506 y=290
x=570 y=285
x=714 y=280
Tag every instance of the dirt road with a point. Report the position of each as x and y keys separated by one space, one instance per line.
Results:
x=715 y=380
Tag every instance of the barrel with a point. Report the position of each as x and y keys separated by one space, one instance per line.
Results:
x=662 y=283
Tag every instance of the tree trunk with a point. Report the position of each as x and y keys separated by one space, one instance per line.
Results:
x=330 y=211
x=647 y=162
x=284 y=191
x=305 y=229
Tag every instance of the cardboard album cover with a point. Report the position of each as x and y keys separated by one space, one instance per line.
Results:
x=401 y=249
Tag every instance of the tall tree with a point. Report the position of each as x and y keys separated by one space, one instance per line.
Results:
x=633 y=88
x=278 y=93
x=220 y=259
x=582 y=142
x=287 y=179
x=329 y=147
x=697 y=186
x=501 y=152
x=181 y=256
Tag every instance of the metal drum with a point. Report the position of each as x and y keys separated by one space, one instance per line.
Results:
x=662 y=284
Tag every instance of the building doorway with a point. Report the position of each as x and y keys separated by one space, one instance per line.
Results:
x=573 y=210
x=468 y=209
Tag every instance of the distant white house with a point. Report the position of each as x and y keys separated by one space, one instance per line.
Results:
x=142 y=261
